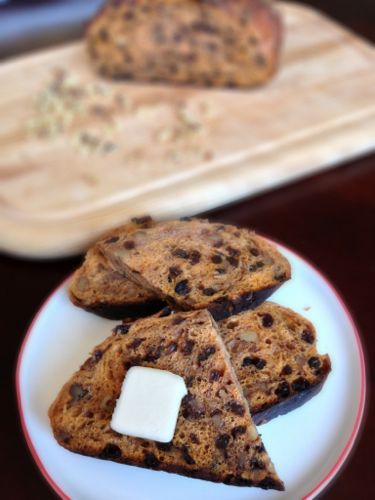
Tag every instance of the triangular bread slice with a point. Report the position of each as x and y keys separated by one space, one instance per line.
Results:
x=215 y=437
x=98 y=288
x=273 y=351
x=194 y=264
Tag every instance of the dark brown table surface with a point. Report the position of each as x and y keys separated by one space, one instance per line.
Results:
x=329 y=218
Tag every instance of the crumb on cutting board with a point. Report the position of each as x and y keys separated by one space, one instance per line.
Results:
x=90 y=114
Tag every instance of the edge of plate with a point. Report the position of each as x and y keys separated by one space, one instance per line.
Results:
x=323 y=483
x=344 y=455
x=29 y=442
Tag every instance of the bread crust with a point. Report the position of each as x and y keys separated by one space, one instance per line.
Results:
x=120 y=311
x=225 y=308
x=282 y=407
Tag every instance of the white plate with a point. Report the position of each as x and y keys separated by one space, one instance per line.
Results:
x=308 y=446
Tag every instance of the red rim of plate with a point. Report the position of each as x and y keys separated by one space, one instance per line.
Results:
x=318 y=488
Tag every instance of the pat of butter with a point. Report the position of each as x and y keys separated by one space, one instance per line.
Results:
x=148 y=404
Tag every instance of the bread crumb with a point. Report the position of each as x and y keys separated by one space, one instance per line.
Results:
x=92 y=117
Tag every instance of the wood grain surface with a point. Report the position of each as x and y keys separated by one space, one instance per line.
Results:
x=76 y=161
x=329 y=217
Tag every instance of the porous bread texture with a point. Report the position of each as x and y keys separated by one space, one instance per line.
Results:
x=209 y=43
x=215 y=438
x=98 y=288
x=195 y=264
x=273 y=352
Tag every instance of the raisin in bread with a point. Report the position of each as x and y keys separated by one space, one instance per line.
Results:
x=193 y=264
x=206 y=42
x=273 y=351
x=215 y=438
x=97 y=288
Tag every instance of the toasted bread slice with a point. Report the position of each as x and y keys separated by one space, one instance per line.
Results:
x=195 y=264
x=97 y=288
x=273 y=351
x=215 y=437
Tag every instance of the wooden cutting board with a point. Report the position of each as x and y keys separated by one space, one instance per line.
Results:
x=79 y=154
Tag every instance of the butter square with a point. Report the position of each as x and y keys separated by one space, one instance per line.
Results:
x=149 y=403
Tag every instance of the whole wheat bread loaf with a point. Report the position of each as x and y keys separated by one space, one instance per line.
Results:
x=215 y=438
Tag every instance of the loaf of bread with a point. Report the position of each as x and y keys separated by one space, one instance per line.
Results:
x=273 y=352
x=195 y=264
x=97 y=288
x=215 y=438
x=201 y=42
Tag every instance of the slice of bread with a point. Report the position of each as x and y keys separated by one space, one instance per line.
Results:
x=195 y=264
x=97 y=288
x=273 y=351
x=210 y=43
x=215 y=437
